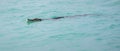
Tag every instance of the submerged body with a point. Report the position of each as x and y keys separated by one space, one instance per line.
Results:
x=55 y=18
x=39 y=19
x=35 y=19
x=58 y=18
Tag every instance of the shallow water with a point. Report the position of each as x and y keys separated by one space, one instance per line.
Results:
x=98 y=31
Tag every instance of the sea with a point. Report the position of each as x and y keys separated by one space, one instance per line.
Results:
x=88 y=25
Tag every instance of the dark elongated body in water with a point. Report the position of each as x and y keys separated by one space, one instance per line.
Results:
x=58 y=18
x=29 y=21
x=35 y=19
x=39 y=19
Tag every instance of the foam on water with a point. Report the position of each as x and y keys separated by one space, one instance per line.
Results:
x=98 y=31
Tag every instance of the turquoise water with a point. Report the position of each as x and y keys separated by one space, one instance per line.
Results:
x=98 y=31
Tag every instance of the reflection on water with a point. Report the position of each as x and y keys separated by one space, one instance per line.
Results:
x=29 y=22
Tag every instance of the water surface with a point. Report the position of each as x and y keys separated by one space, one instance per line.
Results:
x=99 y=31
